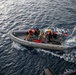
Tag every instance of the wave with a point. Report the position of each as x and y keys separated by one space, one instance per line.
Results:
x=71 y=41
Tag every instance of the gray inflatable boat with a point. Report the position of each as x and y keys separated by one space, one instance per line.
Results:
x=19 y=35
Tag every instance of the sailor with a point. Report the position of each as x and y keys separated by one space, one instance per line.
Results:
x=29 y=35
x=57 y=38
x=49 y=35
x=36 y=30
x=54 y=35
x=42 y=36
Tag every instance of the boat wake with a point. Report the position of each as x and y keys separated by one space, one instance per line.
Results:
x=69 y=56
x=71 y=41
x=17 y=46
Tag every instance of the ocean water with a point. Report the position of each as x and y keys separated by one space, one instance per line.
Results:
x=24 y=14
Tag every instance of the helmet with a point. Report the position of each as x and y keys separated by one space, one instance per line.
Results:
x=49 y=30
x=30 y=31
x=54 y=33
x=53 y=29
x=36 y=27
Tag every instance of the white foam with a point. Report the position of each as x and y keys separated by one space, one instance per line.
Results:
x=48 y=52
x=73 y=39
x=18 y=46
x=70 y=57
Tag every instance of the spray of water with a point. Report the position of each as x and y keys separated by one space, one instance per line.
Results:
x=71 y=41
x=18 y=46
x=74 y=29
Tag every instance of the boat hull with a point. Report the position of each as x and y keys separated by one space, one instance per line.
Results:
x=19 y=35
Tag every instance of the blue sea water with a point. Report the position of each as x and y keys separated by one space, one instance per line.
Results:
x=24 y=14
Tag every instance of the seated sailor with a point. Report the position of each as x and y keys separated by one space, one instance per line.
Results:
x=49 y=35
x=36 y=30
x=29 y=35
x=42 y=36
x=56 y=38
